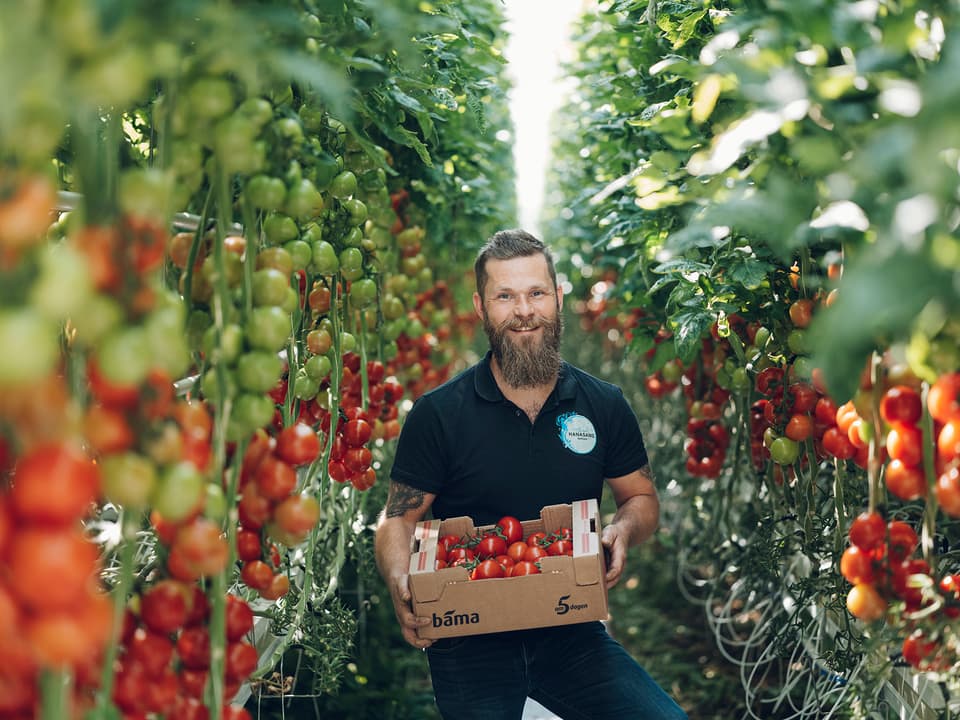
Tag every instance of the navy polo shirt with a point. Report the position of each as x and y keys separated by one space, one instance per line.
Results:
x=482 y=457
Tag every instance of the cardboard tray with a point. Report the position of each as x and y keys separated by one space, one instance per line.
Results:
x=568 y=590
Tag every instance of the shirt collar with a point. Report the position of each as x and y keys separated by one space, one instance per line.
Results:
x=487 y=388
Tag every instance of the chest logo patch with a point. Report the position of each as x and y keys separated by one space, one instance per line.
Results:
x=577 y=433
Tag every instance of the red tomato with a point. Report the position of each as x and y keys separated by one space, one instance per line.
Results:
x=241 y=660
x=905 y=442
x=825 y=412
x=907 y=482
x=298 y=444
x=534 y=553
x=506 y=562
x=164 y=607
x=921 y=652
x=275 y=478
x=868 y=530
x=257 y=575
x=358 y=459
x=297 y=515
x=524 y=567
x=856 y=565
x=948 y=491
x=948 y=441
x=901 y=404
x=536 y=538
x=239 y=617
x=248 y=545
x=253 y=509
x=799 y=427
x=836 y=443
x=511 y=528
x=491 y=545
x=459 y=553
x=357 y=432
x=54 y=483
x=193 y=647
x=516 y=550
x=152 y=650
x=560 y=547
x=53 y=566
x=279 y=586
x=943 y=398
x=487 y=569
x=902 y=540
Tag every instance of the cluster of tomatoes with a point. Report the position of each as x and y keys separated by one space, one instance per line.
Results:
x=53 y=613
x=882 y=569
x=502 y=551
x=163 y=663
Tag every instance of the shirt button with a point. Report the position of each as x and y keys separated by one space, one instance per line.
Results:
x=518 y=413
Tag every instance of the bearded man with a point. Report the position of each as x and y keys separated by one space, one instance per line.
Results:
x=520 y=430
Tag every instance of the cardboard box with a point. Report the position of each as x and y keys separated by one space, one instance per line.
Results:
x=568 y=590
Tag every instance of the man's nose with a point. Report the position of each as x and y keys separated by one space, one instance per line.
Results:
x=523 y=307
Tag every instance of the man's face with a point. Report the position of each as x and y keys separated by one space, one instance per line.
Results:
x=521 y=316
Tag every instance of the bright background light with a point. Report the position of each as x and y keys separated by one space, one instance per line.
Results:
x=539 y=42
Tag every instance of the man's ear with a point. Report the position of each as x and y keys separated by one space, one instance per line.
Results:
x=559 y=297
x=478 y=305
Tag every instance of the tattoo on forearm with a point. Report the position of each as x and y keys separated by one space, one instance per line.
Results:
x=402 y=498
x=648 y=471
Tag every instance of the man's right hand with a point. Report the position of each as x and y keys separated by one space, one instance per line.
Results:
x=403 y=607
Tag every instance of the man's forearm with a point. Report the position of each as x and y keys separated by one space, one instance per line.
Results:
x=392 y=545
x=639 y=516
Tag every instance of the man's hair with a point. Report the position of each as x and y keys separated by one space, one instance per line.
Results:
x=506 y=245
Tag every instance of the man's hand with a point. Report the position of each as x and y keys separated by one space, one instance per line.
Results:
x=403 y=607
x=615 y=545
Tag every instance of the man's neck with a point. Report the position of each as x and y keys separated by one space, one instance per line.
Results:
x=530 y=398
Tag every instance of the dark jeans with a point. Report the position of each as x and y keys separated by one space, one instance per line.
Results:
x=577 y=671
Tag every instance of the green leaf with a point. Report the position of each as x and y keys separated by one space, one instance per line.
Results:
x=689 y=326
x=747 y=271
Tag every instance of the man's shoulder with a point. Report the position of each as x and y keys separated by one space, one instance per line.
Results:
x=591 y=384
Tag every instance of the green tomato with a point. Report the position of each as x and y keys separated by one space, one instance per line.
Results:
x=351 y=263
x=265 y=192
x=797 y=341
x=353 y=238
x=270 y=287
x=280 y=229
x=363 y=293
x=31 y=346
x=228 y=349
x=258 y=371
x=739 y=379
x=64 y=283
x=210 y=97
x=210 y=386
x=300 y=253
x=324 y=258
x=318 y=367
x=268 y=328
x=392 y=307
x=325 y=169
x=94 y=319
x=124 y=356
x=129 y=479
x=179 y=492
x=252 y=411
x=304 y=201
x=357 y=209
x=343 y=185
x=305 y=387
x=784 y=451
x=348 y=342
x=291 y=302
x=215 y=503
x=257 y=109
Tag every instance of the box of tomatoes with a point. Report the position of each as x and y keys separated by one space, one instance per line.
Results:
x=472 y=580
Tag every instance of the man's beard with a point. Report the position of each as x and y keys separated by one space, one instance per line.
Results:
x=525 y=362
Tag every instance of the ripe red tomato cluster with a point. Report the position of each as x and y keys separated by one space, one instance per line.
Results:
x=503 y=551
x=880 y=565
x=943 y=403
x=53 y=613
x=271 y=510
x=163 y=664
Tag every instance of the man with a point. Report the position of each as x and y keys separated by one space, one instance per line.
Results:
x=497 y=440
